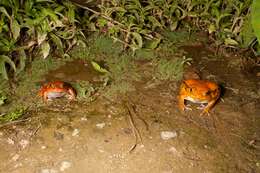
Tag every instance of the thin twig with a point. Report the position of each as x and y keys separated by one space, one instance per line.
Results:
x=133 y=126
x=145 y=123
x=245 y=141
x=13 y=122
x=35 y=131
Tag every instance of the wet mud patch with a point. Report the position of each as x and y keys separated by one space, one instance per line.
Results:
x=77 y=70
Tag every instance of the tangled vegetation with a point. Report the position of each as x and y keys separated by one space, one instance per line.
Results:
x=135 y=22
x=37 y=27
x=33 y=27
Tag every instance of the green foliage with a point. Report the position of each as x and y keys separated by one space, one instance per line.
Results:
x=256 y=19
x=171 y=69
x=35 y=25
x=13 y=115
x=3 y=60
x=84 y=89
x=98 y=68
x=247 y=34
x=135 y=22
x=3 y=98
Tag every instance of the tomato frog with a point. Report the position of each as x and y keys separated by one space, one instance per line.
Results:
x=199 y=91
x=56 y=89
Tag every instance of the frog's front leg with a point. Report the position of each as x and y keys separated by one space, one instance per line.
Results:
x=182 y=105
x=208 y=107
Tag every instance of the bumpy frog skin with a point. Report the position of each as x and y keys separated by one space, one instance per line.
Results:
x=199 y=91
x=57 y=89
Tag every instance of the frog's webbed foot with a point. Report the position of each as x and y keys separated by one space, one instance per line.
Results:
x=201 y=107
x=205 y=112
x=187 y=108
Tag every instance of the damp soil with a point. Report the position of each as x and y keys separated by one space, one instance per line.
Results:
x=123 y=134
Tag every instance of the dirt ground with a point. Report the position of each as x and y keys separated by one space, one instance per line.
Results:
x=125 y=134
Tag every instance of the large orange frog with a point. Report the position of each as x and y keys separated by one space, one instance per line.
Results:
x=199 y=91
x=57 y=89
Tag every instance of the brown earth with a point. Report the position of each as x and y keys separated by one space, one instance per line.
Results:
x=99 y=136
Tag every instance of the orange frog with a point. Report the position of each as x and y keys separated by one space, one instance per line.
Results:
x=57 y=89
x=199 y=91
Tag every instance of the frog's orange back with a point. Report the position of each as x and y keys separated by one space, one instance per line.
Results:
x=56 y=85
x=201 y=88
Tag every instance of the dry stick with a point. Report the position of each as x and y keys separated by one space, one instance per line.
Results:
x=145 y=123
x=35 y=131
x=245 y=141
x=133 y=126
x=13 y=122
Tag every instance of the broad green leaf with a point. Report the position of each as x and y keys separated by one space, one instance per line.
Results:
x=3 y=60
x=3 y=98
x=211 y=28
x=22 y=60
x=71 y=11
x=247 y=34
x=3 y=10
x=45 y=49
x=101 y=22
x=256 y=18
x=230 y=41
x=138 y=38
x=174 y=25
x=15 y=28
x=49 y=12
x=155 y=22
x=57 y=41
x=98 y=68
x=154 y=43
x=41 y=37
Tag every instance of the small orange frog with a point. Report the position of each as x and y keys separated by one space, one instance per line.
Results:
x=57 y=89
x=199 y=91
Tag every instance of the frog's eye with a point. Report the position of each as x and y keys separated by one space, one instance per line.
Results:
x=189 y=89
x=207 y=93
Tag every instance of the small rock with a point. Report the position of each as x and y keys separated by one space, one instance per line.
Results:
x=65 y=165
x=257 y=164
x=15 y=157
x=100 y=125
x=18 y=165
x=141 y=146
x=75 y=132
x=174 y=151
x=43 y=147
x=24 y=143
x=10 y=141
x=84 y=119
x=166 y=135
x=49 y=171
x=58 y=135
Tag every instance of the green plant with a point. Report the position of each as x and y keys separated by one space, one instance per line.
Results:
x=84 y=89
x=135 y=22
x=13 y=115
x=256 y=22
x=171 y=69
x=31 y=25
x=3 y=98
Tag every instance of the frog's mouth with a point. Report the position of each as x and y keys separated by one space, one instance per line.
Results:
x=52 y=95
x=195 y=100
